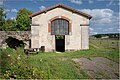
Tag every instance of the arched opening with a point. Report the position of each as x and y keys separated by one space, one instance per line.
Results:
x=60 y=27
x=14 y=43
x=61 y=20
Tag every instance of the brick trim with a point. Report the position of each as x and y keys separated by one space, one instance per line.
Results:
x=70 y=27
x=58 y=17
x=49 y=27
x=63 y=17
x=53 y=18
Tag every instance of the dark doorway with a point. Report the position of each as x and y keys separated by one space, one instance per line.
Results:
x=60 y=43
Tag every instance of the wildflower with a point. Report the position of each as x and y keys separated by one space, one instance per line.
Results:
x=11 y=63
x=33 y=72
x=9 y=55
x=18 y=57
x=40 y=60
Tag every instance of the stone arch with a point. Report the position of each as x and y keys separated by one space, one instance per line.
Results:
x=58 y=17
x=13 y=42
x=23 y=36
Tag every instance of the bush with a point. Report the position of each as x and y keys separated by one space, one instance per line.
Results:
x=14 y=64
x=98 y=35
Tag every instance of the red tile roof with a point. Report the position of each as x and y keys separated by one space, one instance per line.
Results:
x=62 y=6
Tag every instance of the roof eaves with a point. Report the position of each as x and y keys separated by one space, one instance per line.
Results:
x=63 y=6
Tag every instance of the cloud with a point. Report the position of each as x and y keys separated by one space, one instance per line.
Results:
x=105 y=30
x=103 y=20
x=104 y=16
x=1 y=2
x=93 y=33
x=110 y=29
x=119 y=3
x=91 y=29
x=12 y=18
x=110 y=2
x=118 y=30
x=42 y=7
x=35 y=2
x=99 y=28
x=90 y=1
x=76 y=1
x=14 y=10
x=107 y=0
x=7 y=11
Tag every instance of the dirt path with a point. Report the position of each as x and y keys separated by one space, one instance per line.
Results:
x=99 y=67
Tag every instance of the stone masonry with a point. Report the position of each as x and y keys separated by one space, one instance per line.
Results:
x=25 y=36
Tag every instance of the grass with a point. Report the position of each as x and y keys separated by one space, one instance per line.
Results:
x=107 y=48
x=60 y=65
x=51 y=65
x=56 y=67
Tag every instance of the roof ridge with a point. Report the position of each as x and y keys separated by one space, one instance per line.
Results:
x=63 y=6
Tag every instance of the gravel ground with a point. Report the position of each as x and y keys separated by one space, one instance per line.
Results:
x=99 y=67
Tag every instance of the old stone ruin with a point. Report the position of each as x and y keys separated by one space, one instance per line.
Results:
x=14 y=39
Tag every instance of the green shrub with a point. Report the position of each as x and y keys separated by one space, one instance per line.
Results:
x=14 y=64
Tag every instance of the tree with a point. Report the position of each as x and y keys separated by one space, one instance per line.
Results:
x=23 y=20
x=98 y=35
x=5 y=24
x=2 y=18
x=9 y=25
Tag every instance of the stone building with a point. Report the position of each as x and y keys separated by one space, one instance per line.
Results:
x=60 y=28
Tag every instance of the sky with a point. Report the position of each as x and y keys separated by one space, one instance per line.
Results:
x=105 y=13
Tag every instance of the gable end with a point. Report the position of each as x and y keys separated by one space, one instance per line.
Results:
x=62 y=6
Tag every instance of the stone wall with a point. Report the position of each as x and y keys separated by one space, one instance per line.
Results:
x=24 y=36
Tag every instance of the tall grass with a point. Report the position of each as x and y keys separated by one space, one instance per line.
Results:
x=16 y=64
x=13 y=64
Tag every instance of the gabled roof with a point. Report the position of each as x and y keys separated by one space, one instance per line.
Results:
x=62 y=6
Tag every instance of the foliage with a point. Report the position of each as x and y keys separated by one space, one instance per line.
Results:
x=9 y=25
x=2 y=18
x=53 y=65
x=60 y=65
x=59 y=37
x=110 y=35
x=106 y=48
x=23 y=21
x=14 y=64
x=98 y=35
x=5 y=24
